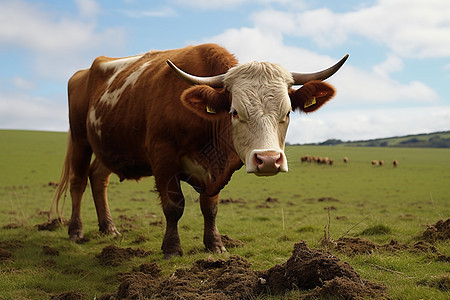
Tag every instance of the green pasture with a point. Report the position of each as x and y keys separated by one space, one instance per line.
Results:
x=355 y=199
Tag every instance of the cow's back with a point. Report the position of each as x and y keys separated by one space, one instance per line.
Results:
x=123 y=107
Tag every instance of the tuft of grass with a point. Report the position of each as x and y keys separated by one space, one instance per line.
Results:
x=376 y=230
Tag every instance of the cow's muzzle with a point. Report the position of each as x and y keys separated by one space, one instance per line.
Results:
x=266 y=162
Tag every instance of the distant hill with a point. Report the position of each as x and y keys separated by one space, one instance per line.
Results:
x=431 y=140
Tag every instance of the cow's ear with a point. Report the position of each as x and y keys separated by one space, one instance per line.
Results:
x=311 y=96
x=206 y=101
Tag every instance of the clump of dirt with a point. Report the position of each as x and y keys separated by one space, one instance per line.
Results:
x=140 y=239
x=114 y=256
x=11 y=245
x=327 y=199
x=351 y=246
x=69 y=296
x=272 y=200
x=233 y=278
x=52 y=225
x=230 y=242
x=11 y=226
x=231 y=200
x=50 y=251
x=437 y=232
x=6 y=255
x=440 y=282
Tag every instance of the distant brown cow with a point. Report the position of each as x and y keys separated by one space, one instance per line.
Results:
x=138 y=118
x=381 y=162
x=346 y=159
x=306 y=158
x=374 y=162
x=395 y=163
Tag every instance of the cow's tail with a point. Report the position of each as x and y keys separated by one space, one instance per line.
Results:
x=63 y=183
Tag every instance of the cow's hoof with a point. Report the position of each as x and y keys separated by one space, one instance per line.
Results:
x=110 y=230
x=217 y=249
x=173 y=254
x=76 y=236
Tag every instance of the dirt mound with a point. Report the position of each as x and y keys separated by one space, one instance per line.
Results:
x=233 y=278
x=354 y=246
x=114 y=256
x=6 y=255
x=230 y=242
x=69 y=296
x=231 y=200
x=437 y=232
x=52 y=225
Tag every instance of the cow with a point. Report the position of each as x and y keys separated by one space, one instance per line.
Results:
x=345 y=159
x=395 y=163
x=374 y=162
x=192 y=114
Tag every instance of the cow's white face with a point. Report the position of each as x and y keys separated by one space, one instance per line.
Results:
x=260 y=115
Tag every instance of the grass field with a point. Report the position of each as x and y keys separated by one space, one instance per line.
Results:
x=376 y=203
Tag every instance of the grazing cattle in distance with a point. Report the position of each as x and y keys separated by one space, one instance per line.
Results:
x=306 y=158
x=395 y=163
x=140 y=119
x=381 y=162
x=346 y=159
x=374 y=162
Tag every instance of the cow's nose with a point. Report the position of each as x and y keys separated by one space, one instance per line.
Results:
x=268 y=162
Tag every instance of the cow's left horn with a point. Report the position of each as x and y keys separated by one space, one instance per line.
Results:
x=213 y=81
x=301 y=78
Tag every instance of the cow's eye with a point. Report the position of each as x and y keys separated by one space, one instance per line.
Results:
x=234 y=113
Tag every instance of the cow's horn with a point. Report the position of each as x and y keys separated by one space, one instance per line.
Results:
x=213 y=81
x=301 y=78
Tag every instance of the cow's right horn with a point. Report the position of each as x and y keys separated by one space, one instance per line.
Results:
x=302 y=78
x=213 y=81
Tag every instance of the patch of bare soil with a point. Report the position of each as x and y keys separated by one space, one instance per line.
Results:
x=440 y=282
x=230 y=242
x=11 y=226
x=52 y=225
x=437 y=232
x=233 y=278
x=6 y=255
x=50 y=251
x=114 y=256
x=354 y=245
x=231 y=200
x=272 y=200
x=69 y=296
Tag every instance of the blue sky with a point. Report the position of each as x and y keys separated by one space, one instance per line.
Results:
x=394 y=83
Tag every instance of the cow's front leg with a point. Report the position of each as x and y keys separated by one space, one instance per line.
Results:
x=172 y=201
x=211 y=235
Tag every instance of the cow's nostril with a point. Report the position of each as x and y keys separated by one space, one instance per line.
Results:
x=258 y=160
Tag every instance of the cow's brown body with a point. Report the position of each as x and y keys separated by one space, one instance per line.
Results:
x=128 y=113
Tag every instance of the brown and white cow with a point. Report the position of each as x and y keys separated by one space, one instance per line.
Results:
x=140 y=119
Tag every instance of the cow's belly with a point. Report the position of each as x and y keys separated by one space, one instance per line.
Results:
x=121 y=155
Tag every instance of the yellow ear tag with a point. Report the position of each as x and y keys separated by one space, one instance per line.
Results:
x=210 y=110
x=310 y=103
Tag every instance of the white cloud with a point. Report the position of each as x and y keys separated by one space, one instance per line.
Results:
x=22 y=111
x=350 y=125
x=412 y=28
x=160 y=13
x=355 y=86
x=22 y=83
x=231 y=4
x=53 y=42
x=88 y=8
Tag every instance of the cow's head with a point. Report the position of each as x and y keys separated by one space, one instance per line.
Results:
x=261 y=100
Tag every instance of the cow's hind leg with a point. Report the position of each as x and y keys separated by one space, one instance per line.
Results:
x=99 y=176
x=79 y=167
x=211 y=236
x=172 y=201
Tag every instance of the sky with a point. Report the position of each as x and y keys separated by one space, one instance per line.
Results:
x=395 y=82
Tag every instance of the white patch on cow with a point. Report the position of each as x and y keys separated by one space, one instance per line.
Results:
x=261 y=99
x=113 y=97
x=195 y=169
x=95 y=122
